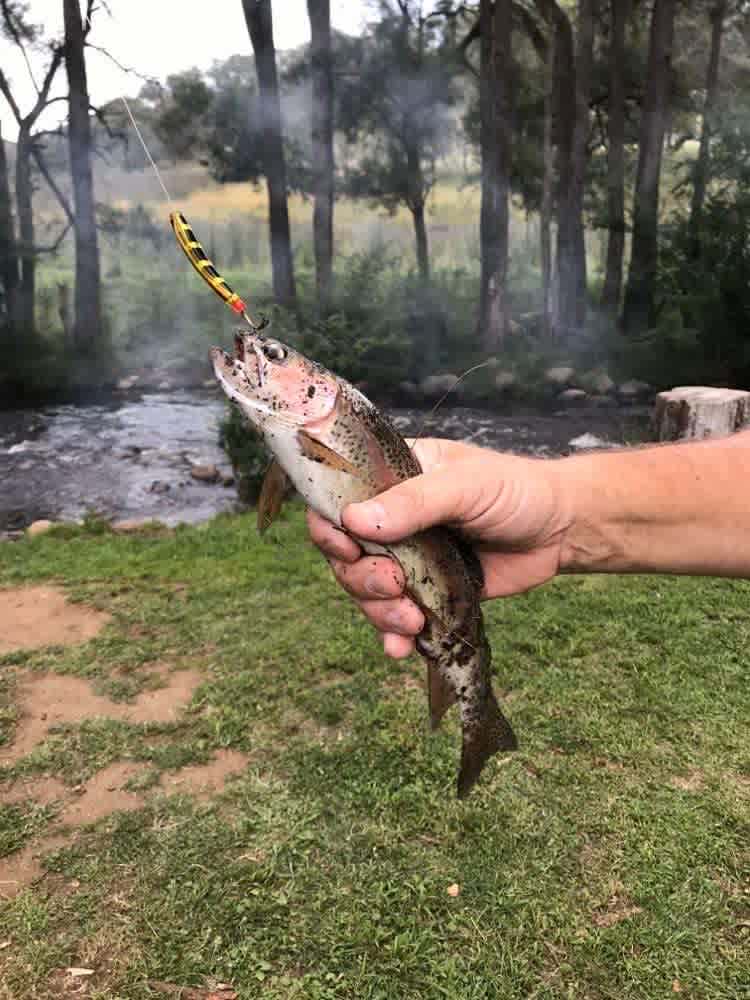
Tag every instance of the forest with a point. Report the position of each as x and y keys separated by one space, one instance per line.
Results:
x=517 y=183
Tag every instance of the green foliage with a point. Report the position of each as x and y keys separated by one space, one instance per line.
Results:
x=246 y=453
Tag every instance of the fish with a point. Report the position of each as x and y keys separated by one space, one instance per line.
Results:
x=335 y=447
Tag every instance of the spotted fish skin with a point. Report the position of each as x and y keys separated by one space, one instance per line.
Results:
x=337 y=448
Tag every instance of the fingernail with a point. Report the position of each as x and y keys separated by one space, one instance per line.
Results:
x=373 y=512
x=374 y=586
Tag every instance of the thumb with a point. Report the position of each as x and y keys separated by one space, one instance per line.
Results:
x=437 y=496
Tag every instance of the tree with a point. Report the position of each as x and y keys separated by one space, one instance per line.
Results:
x=21 y=256
x=616 y=157
x=260 y=28
x=319 y=12
x=700 y=174
x=496 y=135
x=9 y=274
x=397 y=109
x=638 y=312
x=87 y=308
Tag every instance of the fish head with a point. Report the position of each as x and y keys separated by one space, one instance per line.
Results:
x=274 y=385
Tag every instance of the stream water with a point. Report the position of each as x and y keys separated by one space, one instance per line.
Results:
x=130 y=455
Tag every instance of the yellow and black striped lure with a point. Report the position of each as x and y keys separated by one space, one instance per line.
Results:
x=205 y=268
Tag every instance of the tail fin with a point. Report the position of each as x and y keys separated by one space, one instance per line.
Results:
x=491 y=733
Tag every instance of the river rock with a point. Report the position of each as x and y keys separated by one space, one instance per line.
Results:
x=505 y=380
x=634 y=389
x=39 y=528
x=559 y=375
x=130 y=525
x=128 y=382
x=572 y=396
x=409 y=389
x=597 y=382
x=204 y=473
x=437 y=385
x=585 y=442
x=158 y=486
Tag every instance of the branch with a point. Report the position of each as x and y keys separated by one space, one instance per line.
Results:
x=6 y=92
x=45 y=172
x=15 y=35
x=119 y=65
x=54 y=247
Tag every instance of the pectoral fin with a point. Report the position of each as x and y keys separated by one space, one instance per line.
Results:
x=316 y=451
x=272 y=495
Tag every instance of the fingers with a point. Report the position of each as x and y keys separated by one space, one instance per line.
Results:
x=398 y=647
x=332 y=541
x=445 y=493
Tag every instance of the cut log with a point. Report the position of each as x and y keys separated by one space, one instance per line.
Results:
x=695 y=412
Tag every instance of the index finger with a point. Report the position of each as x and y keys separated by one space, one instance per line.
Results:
x=332 y=541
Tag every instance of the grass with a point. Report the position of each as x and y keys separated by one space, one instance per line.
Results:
x=607 y=859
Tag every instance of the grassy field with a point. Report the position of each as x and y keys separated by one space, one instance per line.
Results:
x=609 y=859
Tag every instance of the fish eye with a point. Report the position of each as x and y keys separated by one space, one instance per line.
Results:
x=274 y=351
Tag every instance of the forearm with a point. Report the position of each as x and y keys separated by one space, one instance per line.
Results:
x=666 y=509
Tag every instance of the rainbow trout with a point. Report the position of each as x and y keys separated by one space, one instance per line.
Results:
x=336 y=448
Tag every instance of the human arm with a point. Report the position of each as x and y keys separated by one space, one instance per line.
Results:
x=662 y=509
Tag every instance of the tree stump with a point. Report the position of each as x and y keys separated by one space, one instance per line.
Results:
x=695 y=412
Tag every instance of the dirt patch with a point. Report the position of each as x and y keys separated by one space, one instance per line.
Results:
x=616 y=909
x=204 y=780
x=25 y=866
x=693 y=781
x=103 y=795
x=47 y=700
x=32 y=617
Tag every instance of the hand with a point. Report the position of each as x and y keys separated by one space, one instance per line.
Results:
x=512 y=509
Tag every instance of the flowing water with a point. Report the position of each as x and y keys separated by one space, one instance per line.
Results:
x=130 y=456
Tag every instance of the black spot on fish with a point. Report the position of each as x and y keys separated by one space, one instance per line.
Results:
x=310 y=391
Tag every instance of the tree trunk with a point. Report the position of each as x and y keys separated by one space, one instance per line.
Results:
x=87 y=322
x=24 y=315
x=638 y=313
x=567 y=279
x=579 y=159
x=319 y=12
x=260 y=28
x=548 y=179
x=616 y=158
x=9 y=272
x=700 y=174
x=420 y=234
x=696 y=412
x=496 y=134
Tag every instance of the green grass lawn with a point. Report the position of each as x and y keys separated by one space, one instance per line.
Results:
x=608 y=858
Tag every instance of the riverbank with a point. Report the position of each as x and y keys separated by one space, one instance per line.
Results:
x=131 y=455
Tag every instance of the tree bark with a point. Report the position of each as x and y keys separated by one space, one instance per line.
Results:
x=319 y=12
x=87 y=323
x=697 y=412
x=9 y=269
x=496 y=111
x=24 y=196
x=581 y=130
x=420 y=235
x=638 y=313
x=260 y=28
x=612 y=290
x=548 y=180
x=568 y=259
x=700 y=174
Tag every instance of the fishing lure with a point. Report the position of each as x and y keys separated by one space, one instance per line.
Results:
x=206 y=269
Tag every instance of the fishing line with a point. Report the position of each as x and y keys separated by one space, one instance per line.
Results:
x=146 y=151
x=443 y=398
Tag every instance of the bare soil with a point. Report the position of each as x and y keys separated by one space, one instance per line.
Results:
x=36 y=616
x=33 y=617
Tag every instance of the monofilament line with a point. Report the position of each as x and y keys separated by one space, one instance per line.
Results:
x=443 y=398
x=145 y=150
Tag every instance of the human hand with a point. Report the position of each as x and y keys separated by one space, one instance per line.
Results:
x=512 y=509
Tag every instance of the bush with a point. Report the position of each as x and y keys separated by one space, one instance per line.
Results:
x=246 y=453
